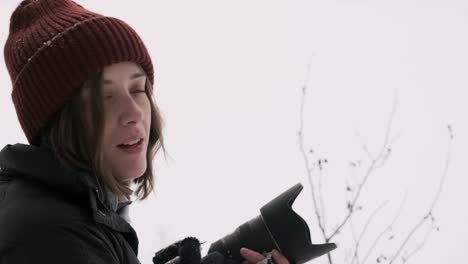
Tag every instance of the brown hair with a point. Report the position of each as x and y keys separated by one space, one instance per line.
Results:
x=78 y=145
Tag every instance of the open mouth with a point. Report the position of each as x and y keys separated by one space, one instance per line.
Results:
x=129 y=145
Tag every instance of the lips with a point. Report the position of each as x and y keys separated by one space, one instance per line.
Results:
x=132 y=149
x=133 y=139
x=130 y=143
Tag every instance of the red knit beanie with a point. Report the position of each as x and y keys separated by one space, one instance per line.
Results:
x=53 y=47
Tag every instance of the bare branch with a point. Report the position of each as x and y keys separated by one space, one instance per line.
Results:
x=363 y=232
x=419 y=247
x=388 y=228
x=369 y=171
x=322 y=204
x=314 y=172
x=428 y=215
x=306 y=159
x=366 y=150
x=356 y=243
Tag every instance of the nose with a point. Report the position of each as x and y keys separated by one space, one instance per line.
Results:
x=131 y=112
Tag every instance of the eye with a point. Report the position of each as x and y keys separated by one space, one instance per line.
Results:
x=138 y=90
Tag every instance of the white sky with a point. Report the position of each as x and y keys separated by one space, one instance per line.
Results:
x=228 y=80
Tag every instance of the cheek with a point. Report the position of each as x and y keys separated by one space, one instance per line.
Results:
x=147 y=114
x=145 y=108
x=144 y=103
x=107 y=124
x=108 y=128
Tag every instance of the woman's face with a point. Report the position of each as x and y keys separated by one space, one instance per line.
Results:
x=127 y=120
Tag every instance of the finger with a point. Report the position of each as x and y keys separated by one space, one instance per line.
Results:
x=251 y=256
x=279 y=258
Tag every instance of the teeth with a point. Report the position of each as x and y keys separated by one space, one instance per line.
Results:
x=132 y=142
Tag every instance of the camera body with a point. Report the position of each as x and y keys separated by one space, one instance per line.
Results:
x=277 y=227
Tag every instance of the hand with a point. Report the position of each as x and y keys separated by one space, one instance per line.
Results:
x=253 y=257
x=187 y=251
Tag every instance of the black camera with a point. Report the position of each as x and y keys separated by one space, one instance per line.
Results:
x=277 y=227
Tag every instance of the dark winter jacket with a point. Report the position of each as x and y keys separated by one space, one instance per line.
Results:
x=52 y=214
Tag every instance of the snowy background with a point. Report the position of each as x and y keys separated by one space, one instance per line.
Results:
x=229 y=78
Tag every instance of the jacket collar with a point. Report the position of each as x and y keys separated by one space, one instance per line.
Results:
x=39 y=164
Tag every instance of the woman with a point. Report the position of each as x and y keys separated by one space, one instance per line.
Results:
x=82 y=90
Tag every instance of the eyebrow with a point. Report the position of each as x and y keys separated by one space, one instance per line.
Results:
x=133 y=77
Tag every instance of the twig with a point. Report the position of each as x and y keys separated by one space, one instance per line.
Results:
x=388 y=228
x=434 y=201
x=369 y=171
x=419 y=247
x=356 y=243
x=322 y=204
x=361 y=235
x=306 y=160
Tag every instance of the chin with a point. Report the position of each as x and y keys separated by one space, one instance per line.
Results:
x=131 y=174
